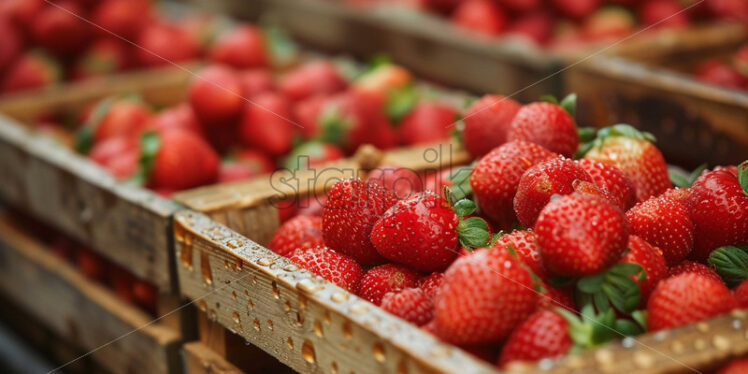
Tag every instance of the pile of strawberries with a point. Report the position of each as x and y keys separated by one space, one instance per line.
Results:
x=731 y=72
x=572 y=23
x=559 y=239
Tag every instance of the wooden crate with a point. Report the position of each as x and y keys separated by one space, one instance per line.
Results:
x=89 y=317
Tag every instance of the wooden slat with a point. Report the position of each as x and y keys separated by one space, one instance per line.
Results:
x=199 y=359
x=84 y=313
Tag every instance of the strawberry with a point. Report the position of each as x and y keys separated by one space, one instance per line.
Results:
x=666 y=224
x=495 y=177
x=544 y=334
x=520 y=6
x=678 y=194
x=741 y=294
x=11 y=43
x=651 y=260
x=298 y=233
x=609 y=23
x=736 y=366
x=216 y=96
x=588 y=188
x=487 y=123
x=687 y=298
x=58 y=29
x=525 y=244
x=164 y=44
x=307 y=113
x=716 y=72
x=382 y=279
x=402 y=181
x=693 y=267
x=420 y=232
x=480 y=16
x=428 y=122
x=536 y=26
x=179 y=160
x=719 y=210
x=410 y=304
x=353 y=207
x=540 y=182
x=124 y=18
x=663 y=13
x=265 y=124
x=119 y=155
x=548 y=125
x=180 y=116
x=114 y=117
x=241 y=47
x=255 y=82
x=122 y=283
x=353 y=118
x=484 y=296
x=310 y=79
x=741 y=58
x=634 y=154
x=145 y=295
x=21 y=12
x=104 y=56
x=431 y=284
x=576 y=9
x=383 y=79
x=580 y=235
x=31 y=70
x=554 y=297
x=91 y=264
x=612 y=180
x=318 y=154
x=333 y=266
x=311 y=205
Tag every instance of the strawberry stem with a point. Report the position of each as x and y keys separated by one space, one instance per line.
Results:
x=150 y=143
x=743 y=176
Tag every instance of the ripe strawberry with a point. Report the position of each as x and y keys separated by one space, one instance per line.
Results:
x=402 y=181
x=410 y=304
x=536 y=26
x=91 y=264
x=119 y=155
x=736 y=366
x=609 y=23
x=544 y=334
x=145 y=295
x=382 y=279
x=693 y=267
x=182 y=160
x=242 y=47
x=122 y=283
x=265 y=124
x=548 y=125
x=333 y=266
x=495 y=178
x=525 y=244
x=11 y=43
x=687 y=298
x=353 y=207
x=484 y=296
x=428 y=122
x=664 y=223
x=612 y=180
x=577 y=9
x=487 y=123
x=21 y=12
x=31 y=70
x=651 y=260
x=104 y=56
x=481 y=16
x=127 y=117
x=58 y=29
x=124 y=18
x=431 y=284
x=353 y=118
x=307 y=113
x=383 y=79
x=633 y=153
x=298 y=233
x=716 y=72
x=318 y=154
x=588 y=188
x=255 y=82
x=741 y=294
x=554 y=297
x=311 y=205
x=520 y=6
x=180 y=116
x=163 y=44
x=313 y=78
x=580 y=235
x=678 y=194
x=420 y=232
x=216 y=96
x=540 y=182
x=719 y=211
x=663 y=13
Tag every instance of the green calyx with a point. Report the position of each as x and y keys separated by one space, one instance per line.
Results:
x=400 y=102
x=613 y=287
x=731 y=263
x=334 y=126
x=150 y=143
x=603 y=134
x=460 y=178
x=472 y=232
x=682 y=179
x=283 y=50
x=84 y=138
x=591 y=329
x=569 y=103
x=743 y=176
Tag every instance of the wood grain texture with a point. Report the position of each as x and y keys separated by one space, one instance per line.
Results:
x=83 y=312
x=199 y=359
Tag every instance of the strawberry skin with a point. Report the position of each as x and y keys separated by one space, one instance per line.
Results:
x=481 y=16
x=353 y=207
x=548 y=125
x=119 y=155
x=216 y=96
x=318 y=153
x=741 y=294
x=666 y=224
x=580 y=235
x=311 y=79
x=30 y=70
x=419 y=232
x=651 y=260
x=122 y=17
x=719 y=210
x=487 y=123
x=403 y=182
x=163 y=44
x=540 y=182
x=59 y=30
x=525 y=245
x=180 y=116
x=242 y=47
x=496 y=176
x=298 y=233
x=410 y=304
x=382 y=279
x=484 y=296
x=687 y=298
x=256 y=81
x=612 y=180
x=126 y=118
x=576 y=8
x=428 y=122
x=542 y=335
x=737 y=366
x=663 y=13
x=183 y=160
x=693 y=267
x=11 y=45
x=431 y=284
x=721 y=74
x=265 y=124
x=333 y=266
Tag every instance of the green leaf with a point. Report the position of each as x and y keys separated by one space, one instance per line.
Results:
x=731 y=263
x=473 y=232
x=640 y=316
x=625 y=269
x=586 y=134
x=584 y=148
x=400 y=102
x=549 y=99
x=334 y=126
x=591 y=284
x=603 y=330
x=464 y=207
x=496 y=237
x=150 y=142
x=678 y=178
x=377 y=61
x=743 y=176
x=560 y=281
x=469 y=101
x=84 y=140
x=283 y=50
x=629 y=131
x=697 y=172
x=625 y=327
x=461 y=182
x=569 y=103
x=602 y=303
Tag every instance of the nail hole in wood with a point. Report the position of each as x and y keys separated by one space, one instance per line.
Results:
x=307 y=352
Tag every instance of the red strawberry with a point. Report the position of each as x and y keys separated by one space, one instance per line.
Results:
x=540 y=182
x=588 y=188
x=311 y=79
x=256 y=81
x=312 y=205
x=741 y=294
x=693 y=267
x=664 y=223
x=122 y=283
x=487 y=123
x=553 y=297
x=257 y=162
x=420 y=232
x=678 y=194
x=520 y=6
x=609 y=23
x=580 y=235
x=612 y=180
x=525 y=244
x=21 y=12
x=30 y=70
x=353 y=118
x=548 y=125
x=431 y=284
x=633 y=153
x=11 y=43
x=119 y=155
x=651 y=260
x=544 y=334
x=403 y=182
x=125 y=18
x=736 y=366
x=741 y=58
x=484 y=296
x=180 y=116
x=687 y=298
x=537 y=26
x=265 y=124
x=496 y=176
x=481 y=16
x=318 y=154
x=716 y=72
x=382 y=279
x=58 y=29
x=242 y=47
x=410 y=304
x=383 y=79
x=162 y=44
x=353 y=207
x=216 y=96
x=298 y=233
x=663 y=13
x=428 y=122
x=183 y=160
x=307 y=113
x=333 y=266
x=105 y=56
x=145 y=295
x=577 y=9
x=126 y=117
x=719 y=211
x=91 y=264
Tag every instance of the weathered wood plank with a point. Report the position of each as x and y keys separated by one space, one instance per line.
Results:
x=199 y=359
